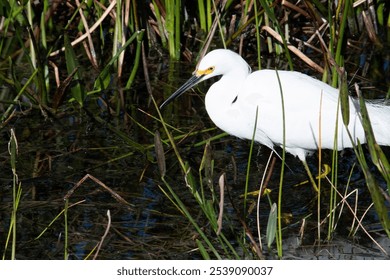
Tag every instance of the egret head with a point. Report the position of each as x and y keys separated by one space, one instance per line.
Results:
x=220 y=62
x=215 y=63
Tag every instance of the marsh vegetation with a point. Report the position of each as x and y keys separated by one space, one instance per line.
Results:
x=92 y=169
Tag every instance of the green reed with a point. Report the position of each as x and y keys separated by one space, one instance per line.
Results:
x=170 y=31
x=269 y=11
x=338 y=29
x=16 y=196
x=258 y=21
x=205 y=18
x=343 y=106
x=72 y=64
x=118 y=38
x=281 y=180
x=137 y=59
x=206 y=205
x=66 y=232
x=382 y=164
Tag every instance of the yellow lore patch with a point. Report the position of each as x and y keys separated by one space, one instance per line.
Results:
x=205 y=72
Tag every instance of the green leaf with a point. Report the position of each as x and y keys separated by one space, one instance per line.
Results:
x=202 y=250
x=104 y=78
x=377 y=155
x=344 y=97
x=160 y=156
x=375 y=192
x=13 y=150
x=271 y=225
x=71 y=64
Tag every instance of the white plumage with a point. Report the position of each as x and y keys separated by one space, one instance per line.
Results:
x=310 y=106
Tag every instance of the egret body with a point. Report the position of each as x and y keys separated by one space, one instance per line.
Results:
x=310 y=106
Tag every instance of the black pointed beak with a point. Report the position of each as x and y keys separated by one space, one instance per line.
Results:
x=186 y=86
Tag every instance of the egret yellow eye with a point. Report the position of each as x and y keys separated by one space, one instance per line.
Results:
x=206 y=71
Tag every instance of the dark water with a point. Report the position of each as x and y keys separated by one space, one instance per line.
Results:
x=57 y=152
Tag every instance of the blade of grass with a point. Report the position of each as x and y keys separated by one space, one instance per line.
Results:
x=16 y=195
x=249 y=161
x=66 y=255
x=103 y=80
x=136 y=59
x=377 y=155
x=279 y=234
x=376 y=195
x=381 y=162
x=72 y=63
x=272 y=225
x=118 y=39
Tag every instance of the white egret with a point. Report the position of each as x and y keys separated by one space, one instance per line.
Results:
x=310 y=107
